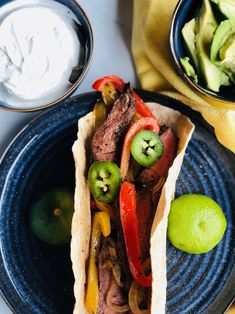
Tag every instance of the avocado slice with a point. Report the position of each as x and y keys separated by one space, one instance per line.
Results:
x=223 y=49
x=227 y=53
x=226 y=76
x=227 y=7
x=206 y=26
x=222 y=34
x=227 y=56
x=188 y=68
x=188 y=32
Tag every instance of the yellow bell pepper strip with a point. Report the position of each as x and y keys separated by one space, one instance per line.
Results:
x=101 y=224
x=110 y=87
x=100 y=113
x=109 y=94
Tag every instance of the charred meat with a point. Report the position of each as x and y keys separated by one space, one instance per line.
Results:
x=107 y=140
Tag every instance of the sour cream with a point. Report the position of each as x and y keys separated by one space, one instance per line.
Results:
x=39 y=48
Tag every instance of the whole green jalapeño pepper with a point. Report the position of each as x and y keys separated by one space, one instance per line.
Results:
x=147 y=148
x=104 y=180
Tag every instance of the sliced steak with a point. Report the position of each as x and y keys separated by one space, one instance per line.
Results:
x=150 y=176
x=105 y=277
x=107 y=283
x=108 y=138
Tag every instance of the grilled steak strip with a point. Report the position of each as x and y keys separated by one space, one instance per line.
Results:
x=108 y=138
x=107 y=282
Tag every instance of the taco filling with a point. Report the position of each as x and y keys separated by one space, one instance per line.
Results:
x=128 y=154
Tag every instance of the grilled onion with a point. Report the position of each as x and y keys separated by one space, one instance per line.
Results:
x=114 y=307
x=157 y=187
x=135 y=297
x=117 y=274
x=156 y=191
x=104 y=207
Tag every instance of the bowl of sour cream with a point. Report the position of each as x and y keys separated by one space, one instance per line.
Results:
x=45 y=50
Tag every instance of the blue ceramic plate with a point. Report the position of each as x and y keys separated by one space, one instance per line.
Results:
x=37 y=278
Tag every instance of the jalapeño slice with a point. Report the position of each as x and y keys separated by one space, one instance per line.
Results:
x=104 y=180
x=147 y=148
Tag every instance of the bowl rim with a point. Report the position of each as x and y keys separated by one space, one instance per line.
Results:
x=74 y=86
x=202 y=90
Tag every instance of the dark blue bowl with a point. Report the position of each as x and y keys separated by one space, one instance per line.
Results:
x=184 y=12
x=37 y=278
x=85 y=35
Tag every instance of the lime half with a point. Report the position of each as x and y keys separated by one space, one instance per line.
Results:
x=196 y=223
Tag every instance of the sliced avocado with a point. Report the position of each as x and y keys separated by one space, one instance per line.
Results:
x=206 y=26
x=225 y=77
x=231 y=76
x=188 y=68
x=227 y=7
x=227 y=56
x=223 y=49
x=188 y=32
x=222 y=34
x=227 y=53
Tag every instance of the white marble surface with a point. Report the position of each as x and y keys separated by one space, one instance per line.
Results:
x=111 y=21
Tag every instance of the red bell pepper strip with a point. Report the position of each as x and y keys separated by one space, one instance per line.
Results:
x=115 y=80
x=119 y=84
x=142 y=124
x=141 y=107
x=131 y=234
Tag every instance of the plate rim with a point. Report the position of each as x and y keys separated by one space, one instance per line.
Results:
x=147 y=96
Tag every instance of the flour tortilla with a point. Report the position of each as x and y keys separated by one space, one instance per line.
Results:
x=81 y=224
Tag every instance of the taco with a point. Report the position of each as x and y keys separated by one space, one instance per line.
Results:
x=128 y=156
